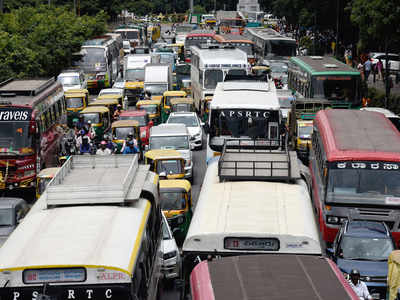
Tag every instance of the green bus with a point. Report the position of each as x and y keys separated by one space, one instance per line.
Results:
x=325 y=78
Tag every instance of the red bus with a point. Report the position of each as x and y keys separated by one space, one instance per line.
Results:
x=269 y=276
x=355 y=169
x=30 y=111
x=196 y=39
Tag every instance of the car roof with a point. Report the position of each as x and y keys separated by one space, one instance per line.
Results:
x=182 y=114
x=364 y=228
x=9 y=202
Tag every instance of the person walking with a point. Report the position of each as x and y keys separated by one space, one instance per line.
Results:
x=360 y=69
x=379 y=69
x=367 y=68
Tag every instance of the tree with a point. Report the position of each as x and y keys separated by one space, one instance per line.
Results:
x=198 y=9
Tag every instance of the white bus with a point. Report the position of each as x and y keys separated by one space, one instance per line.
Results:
x=210 y=64
x=243 y=110
x=97 y=238
x=270 y=44
x=249 y=217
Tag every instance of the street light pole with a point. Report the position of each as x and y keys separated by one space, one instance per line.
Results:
x=337 y=27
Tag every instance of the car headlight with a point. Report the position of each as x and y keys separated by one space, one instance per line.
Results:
x=346 y=275
x=335 y=220
x=169 y=255
x=197 y=135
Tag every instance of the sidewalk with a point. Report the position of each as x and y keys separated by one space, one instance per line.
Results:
x=379 y=84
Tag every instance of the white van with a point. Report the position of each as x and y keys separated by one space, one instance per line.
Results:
x=173 y=136
x=72 y=79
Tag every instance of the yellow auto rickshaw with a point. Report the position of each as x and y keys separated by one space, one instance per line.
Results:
x=133 y=91
x=79 y=91
x=120 y=131
x=205 y=108
x=167 y=163
x=167 y=96
x=176 y=204
x=182 y=104
x=153 y=109
x=100 y=118
x=110 y=103
x=43 y=179
x=117 y=97
x=76 y=101
x=393 y=276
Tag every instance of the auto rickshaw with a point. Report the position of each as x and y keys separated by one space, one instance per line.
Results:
x=75 y=101
x=168 y=95
x=393 y=276
x=167 y=163
x=133 y=92
x=99 y=117
x=205 y=109
x=43 y=179
x=117 y=97
x=111 y=104
x=178 y=49
x=121 y=129
x=176 y=204
x=79 y=91
x=303 y=139
x=182 y=104
x=153 y=109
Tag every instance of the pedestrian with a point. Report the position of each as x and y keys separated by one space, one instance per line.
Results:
x=360 y=68
x=359 y=287
x=103 y=150
x=379 y=69
x=367 y=68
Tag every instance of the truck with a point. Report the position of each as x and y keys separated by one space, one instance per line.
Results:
x=96 y=230
x=157 y=79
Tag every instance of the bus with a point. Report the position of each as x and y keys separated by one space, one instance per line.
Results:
x=242 y=110
x=133 y=35
x=269 y=44
x=252 y=202
x=240 y=43
x=196 y=38
x=30 y=113
x=99 y=58
x=226 y=25
x=355 y=169
x=325 y=78
x=269 y=277
x=99 y=240
x=209 y=65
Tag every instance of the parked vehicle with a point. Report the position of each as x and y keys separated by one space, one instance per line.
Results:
x=12 y=211
x=172 y=262
x=394 y=61
x=192 y=123
x=365 y=246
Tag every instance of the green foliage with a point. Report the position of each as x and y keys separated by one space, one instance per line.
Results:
x=198 y=9
x=378 y=100
x=40 y=41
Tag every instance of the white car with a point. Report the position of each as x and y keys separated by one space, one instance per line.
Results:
x=172 y=262
x=192 y=123
x=111 y=91
x=126 y=46
x=72 y=79
x=394 y=60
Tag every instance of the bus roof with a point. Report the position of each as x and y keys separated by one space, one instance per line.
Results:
x=234 y=38
x=268 y=34
x=278 y=276
x=220 y=56
x=252 y=209
x=323 y=65
x=83 y=236
x=233 y=94
x=195 y=34
x=357 y=135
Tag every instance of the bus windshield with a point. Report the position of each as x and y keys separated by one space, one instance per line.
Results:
x=364 y=186
x=134 y=75
x=15 y=136
x=282 y=48
x=169 y=142
x=94 y=59
x=212 y=77
x=336 y=87
x=69 y=80
x=172 y=201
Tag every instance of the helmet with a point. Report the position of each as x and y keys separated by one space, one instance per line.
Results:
x=355 y=272
x=130 y=133
x=103 y=143
x=130 y=143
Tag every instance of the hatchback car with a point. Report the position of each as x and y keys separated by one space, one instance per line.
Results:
x=365 y=246
x=193 y=124
x=172 y=263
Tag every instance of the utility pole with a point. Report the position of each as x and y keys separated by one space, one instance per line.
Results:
x=337 y=27
x=191 y=6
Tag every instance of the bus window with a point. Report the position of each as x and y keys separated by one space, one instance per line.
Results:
x=212 y=77
x=237 y=72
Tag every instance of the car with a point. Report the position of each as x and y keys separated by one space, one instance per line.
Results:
x=12 y=211
x=364 y=245
x=193 y=124
x=112 y=91
x=72 y=79
x=126 y=46
x=172 y=262
x=394 y=60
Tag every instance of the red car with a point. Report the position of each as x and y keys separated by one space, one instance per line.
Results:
x=144 y=123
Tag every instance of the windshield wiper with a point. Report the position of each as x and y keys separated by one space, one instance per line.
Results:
x=357 y=258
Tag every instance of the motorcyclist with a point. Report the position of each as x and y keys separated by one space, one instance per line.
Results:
x=359 y=287
x=85 y=147
x=117 y=112
x=110 y=144
x=90 y=130
x=78 y=138
x=80 y=124
x=129 y=138
x=103 y=150
x=131 y=148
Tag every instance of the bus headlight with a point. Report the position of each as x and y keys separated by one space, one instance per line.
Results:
x=169 y=255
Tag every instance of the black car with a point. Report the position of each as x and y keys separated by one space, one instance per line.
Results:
x=365 y=246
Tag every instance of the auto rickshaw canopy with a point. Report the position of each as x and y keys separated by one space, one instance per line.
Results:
x=175 y=94
x=163 y=154
x=175 y=101
x=134 y=85
x=104 y=102
x=180 y=184
x=95 y=109
x=125 y=123
x=75 y=95
x=148 y=102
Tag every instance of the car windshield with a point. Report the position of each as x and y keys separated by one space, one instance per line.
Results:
x=170 y=167
x=156 y=89
x=189 y=121
x=172 y=200
x=121 y=133
x=69 y=80
x=15 y=136
x=6 y=217
x=92 y=117
x=169 y=142
x=149 y=108
x=363 y=248
x=364 y=185
x=74 y=102
x=305 y=131
x=212 y=77
x=141 y=119
x=134 y=75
